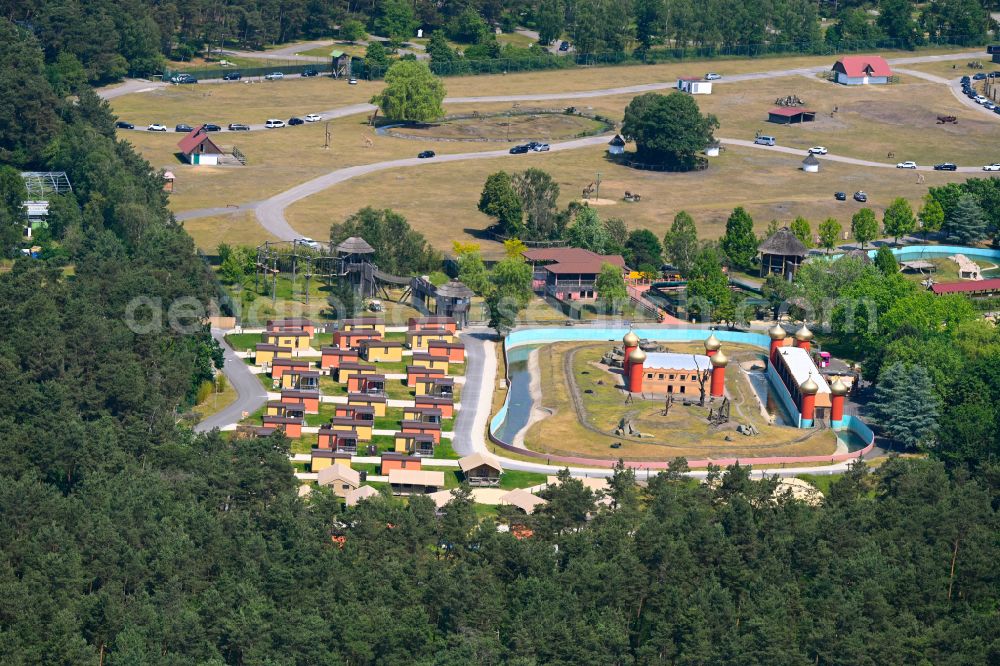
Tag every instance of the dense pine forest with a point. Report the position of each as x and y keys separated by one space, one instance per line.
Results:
x=125 y=539
x=101 y=41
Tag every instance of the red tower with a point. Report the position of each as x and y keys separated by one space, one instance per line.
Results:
x=719 y=363
x=839 y=393
x=635 y=359
x=803 y=338
x=777 y=335
x=630 y=343
x=712 y=345
x=808 y=389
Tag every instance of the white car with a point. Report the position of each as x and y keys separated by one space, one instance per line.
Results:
x=310 y=243
x=273 y=76
x=157 y=127
x=313 y=117
x=274 y=122
x=992 y=167
x=989 y=105
x=540 y=147
x=712 y=76
x=908 y=164
x=981 y=100
x=817 y=150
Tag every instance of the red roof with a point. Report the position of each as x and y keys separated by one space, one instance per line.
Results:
x=789 y=112
x=863 y=66
x=572 y=259
x=993 y=284
x=195 y=138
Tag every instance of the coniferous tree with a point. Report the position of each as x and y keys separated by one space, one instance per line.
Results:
x=906 y=405
x=966 y=222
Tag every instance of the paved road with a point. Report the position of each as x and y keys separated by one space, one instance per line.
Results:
x=271 y=212
x=251 y=392
x=130 y=87
x=284 y=53
x=477 y=396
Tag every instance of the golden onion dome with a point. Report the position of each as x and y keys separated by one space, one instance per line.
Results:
x=719 y=359
x=809 y=387
x=838 y=387
x=804 y=334
x=631 y=339
x=712 y=343
x=777 y=332
x=637 y=356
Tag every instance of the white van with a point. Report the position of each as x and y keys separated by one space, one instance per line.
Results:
x=764 y=140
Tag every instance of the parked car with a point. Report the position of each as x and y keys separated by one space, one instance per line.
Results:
x=989 y=105
x=712 y=76
x=310 y=72
x=979 y=77
x=272 y=123
x=183 y=127
x=309 y=243
x=211 y=127
x=238 y=127
x=232 y=76
x=519 y=150
x=981 y=100
x=352 y=81
x=183 y=78
x=764 y=140
x=564 y=46
x=122 y=124
x=965 y=79
x=540 y=147
x=313 y=117
x=426 y=154
x=908 y=164
x=296 y=121
x=860 y=196
x=945 y=166
x=157 y=127
x=273 y=76
x=840 y=196
x=992 y=167
x=818 y=150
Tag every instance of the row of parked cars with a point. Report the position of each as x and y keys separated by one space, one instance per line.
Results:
x=530 y=147
x=971 y=93
x=233 y=127
x=180 y=79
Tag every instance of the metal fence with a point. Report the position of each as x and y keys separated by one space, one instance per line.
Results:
x=322 y=65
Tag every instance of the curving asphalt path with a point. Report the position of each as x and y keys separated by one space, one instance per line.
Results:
x=271 y=212
x=251 y=393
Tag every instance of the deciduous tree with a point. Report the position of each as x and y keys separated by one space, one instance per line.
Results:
x=500 y=200
x=864 y=226
x=668 y=129
x=898 y=219
x=829 y=233
x=412 y=93
x=739 y=242
x=611 y=291
x=680 y=244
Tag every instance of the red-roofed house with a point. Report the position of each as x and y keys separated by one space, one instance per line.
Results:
x=569 y=273
x=861 y=70
x=199 y=149
x=973 y=288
